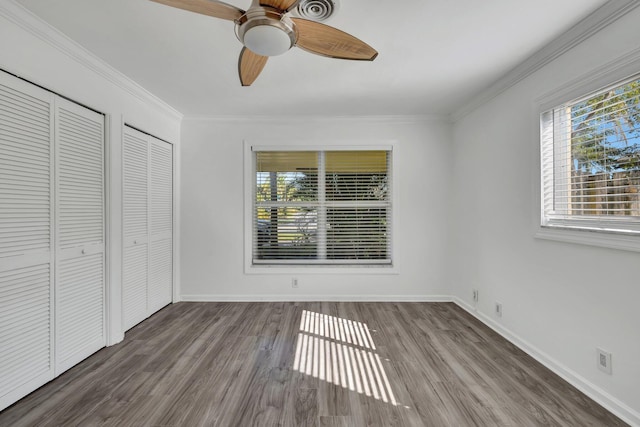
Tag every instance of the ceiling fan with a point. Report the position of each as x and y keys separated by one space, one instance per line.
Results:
x=266 y=30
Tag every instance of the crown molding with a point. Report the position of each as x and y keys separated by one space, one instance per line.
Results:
x=592 y=24
x=298 y=119
x=27 y=20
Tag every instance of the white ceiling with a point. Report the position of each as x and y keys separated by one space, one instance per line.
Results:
x=434 y=54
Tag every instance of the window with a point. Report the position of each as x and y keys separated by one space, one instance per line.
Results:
x=591 y=161
x=321 y=207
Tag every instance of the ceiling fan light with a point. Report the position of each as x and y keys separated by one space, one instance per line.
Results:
x=267 y=40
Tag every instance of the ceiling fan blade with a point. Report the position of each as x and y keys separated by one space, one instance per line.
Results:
x=285 y=5
x=324 y=40
x=214 y=8
x=250 y=66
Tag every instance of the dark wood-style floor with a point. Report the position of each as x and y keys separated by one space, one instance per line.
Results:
x=299 y=364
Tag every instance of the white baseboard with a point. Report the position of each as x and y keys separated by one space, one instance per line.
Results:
x=609 y=402
x=314 y=298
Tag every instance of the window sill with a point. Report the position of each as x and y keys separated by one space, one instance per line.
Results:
x=604 y=239
x=315 y=270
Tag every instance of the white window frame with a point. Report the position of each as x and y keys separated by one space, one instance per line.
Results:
x=322 y=145
x=577 y=231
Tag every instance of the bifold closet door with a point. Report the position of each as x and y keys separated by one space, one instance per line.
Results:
x=26 y=239
x=147 y=225
x=135 y=227
x=80 y=247
x=160 y=225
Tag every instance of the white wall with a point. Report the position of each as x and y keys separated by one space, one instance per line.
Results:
x=213 y=198
x=562 y=300
x=36 y=52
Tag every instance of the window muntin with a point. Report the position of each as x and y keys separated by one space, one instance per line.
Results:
x=322 y=207
x=591 y=161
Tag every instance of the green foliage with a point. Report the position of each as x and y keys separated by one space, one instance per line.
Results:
x=302 y=220
x=605 y=133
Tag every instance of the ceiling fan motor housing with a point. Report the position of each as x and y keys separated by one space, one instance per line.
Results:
x=266 y=31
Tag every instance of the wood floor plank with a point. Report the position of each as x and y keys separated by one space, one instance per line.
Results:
x=336 y=421
x=333 y=400
x=309 y=364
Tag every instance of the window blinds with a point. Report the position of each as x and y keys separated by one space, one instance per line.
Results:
x=591 y=160
x=322 y=207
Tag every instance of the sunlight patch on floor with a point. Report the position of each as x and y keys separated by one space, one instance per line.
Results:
x=340 y=351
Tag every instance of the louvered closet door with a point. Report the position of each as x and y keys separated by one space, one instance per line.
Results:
x=161 y=225
x=135 y=227
x=80 y=277
x=26 y=285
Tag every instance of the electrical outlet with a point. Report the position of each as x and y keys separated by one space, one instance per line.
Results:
x=475 y=295
x=294 y=283
x=498 y=309
x=604 y=361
